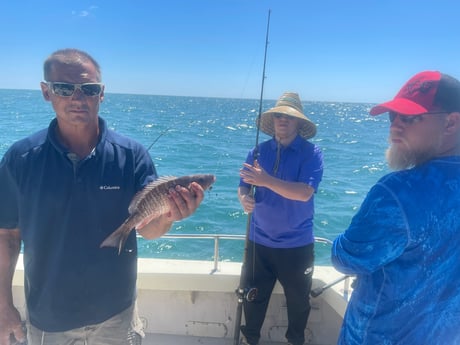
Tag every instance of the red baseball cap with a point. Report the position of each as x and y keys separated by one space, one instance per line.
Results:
x=427 y=91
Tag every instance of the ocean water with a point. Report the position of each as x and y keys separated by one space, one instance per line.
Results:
x=191 y=135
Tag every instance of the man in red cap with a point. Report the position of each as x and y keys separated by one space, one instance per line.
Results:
x=403 y=244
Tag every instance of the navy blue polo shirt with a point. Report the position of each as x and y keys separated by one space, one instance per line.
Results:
x=64 y=211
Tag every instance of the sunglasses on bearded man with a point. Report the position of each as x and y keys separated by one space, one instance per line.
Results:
x=411 y=119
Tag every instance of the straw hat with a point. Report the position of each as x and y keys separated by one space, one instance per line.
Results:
x=288 y=104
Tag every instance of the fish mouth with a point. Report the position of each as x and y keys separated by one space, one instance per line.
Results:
x=206 y=181
x=212 y=181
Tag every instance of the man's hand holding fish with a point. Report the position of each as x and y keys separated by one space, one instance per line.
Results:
x=159 y=204
x=182 y=201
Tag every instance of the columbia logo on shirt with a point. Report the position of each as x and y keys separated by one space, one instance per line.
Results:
x=109 y=187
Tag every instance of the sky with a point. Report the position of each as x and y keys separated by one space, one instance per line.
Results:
x=325 y=50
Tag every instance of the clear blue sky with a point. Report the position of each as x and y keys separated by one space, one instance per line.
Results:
x=326 y=50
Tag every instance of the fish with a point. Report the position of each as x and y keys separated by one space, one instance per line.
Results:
x=152 y=202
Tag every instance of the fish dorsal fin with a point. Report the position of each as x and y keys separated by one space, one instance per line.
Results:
x=147 y=189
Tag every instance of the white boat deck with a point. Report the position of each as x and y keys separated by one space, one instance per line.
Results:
x=163 y=339
x=196 y=307
x=159 y=339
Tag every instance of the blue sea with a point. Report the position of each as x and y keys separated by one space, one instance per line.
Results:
x=191 y=135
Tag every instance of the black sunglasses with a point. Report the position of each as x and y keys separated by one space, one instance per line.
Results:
x=68 y=89
x=410 y=119
x=406 y=119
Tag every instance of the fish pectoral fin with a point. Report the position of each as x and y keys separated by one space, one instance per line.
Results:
x=143 y=223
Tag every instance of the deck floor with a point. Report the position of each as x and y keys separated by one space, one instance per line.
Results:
x=163 y=339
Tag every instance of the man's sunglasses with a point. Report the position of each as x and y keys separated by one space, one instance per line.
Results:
x=68 y=89
x=410 y=119
x=406 y=119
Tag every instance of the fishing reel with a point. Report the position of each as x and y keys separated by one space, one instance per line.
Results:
x=249 y=294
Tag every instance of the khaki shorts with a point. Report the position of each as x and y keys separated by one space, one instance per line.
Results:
x=113 y=331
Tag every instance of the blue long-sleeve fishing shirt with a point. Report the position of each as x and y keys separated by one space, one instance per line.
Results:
x=404 y=247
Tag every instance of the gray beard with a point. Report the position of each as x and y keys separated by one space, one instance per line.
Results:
x=400 y=159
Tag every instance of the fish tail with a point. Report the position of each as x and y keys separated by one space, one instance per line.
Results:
x=118 y=238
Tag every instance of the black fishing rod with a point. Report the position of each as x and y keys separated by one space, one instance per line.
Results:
x=243 y=292
x=161 y=134
x=318 y=291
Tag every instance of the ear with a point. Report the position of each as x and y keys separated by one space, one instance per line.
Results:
x=45 y=91
x=101 y=96
x=453 y=123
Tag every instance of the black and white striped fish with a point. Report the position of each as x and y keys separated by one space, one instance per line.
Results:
x=152 y=202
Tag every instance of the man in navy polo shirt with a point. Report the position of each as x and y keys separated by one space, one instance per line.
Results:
x=63 y=191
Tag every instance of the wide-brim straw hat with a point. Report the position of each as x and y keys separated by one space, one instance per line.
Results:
x=288 y=104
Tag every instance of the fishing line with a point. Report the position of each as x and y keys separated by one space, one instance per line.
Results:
x=244 y=292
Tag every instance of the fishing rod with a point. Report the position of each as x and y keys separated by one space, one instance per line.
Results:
x=318 y=291
x=161 y=134
x=256 y=147
x=244 y=292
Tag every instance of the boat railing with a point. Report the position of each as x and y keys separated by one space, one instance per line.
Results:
x=218 y=237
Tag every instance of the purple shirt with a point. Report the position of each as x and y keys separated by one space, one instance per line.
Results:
x=276 y=221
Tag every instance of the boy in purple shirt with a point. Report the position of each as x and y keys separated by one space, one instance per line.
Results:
x=285 y=171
